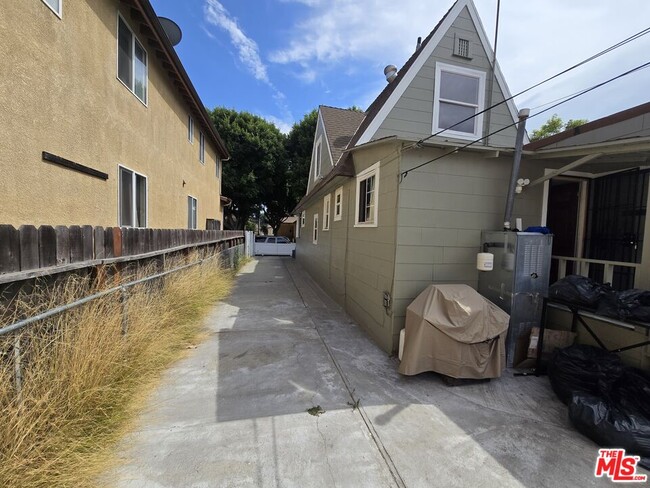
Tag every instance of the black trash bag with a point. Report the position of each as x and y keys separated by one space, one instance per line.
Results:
x=608 y=425
x=634 y=304
x=632 y=392
x=583 y=369
x=579 y=290
x=609 y=306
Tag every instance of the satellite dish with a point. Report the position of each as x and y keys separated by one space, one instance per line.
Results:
x=172 y=30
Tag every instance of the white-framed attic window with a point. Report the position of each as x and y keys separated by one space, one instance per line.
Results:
x=367 y=197
x=318 y=149
x=338 y=203
x=459 y=94
x=190 y=129
x=327 y=203
x=56 y=6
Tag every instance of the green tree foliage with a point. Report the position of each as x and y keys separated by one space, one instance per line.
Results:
x=300 y=142
x=555 y=125
x=256 y=174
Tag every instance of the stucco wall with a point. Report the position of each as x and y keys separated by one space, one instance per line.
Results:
x=60 y=93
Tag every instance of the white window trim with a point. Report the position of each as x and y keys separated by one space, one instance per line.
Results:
x=59 y=14
x=338 y=209
x=303 y=218
x=119 y=197
x=327 y=204
x=196 y=223
x=117 y=51
x=372 y=170
x=190 y=129
x=478 y=126
x=314 y=232
x=201 y=147
x=318 y=158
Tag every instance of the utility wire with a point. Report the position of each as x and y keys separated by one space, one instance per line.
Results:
x=403 y=174
x=591 y=58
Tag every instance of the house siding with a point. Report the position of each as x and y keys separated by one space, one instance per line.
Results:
x=62 y=96
x=443 y=207
x=412 y=116
x=326 y=158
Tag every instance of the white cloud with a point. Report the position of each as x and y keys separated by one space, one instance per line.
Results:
x=247 y=49
x=284 y=125
x=249 y=55
x=537 y=38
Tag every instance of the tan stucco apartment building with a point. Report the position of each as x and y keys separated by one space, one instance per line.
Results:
x=101 y=124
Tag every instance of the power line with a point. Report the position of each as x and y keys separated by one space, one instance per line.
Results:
x=585 y=61
x=403 y=174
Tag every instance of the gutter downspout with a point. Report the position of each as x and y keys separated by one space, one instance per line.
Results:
x=519 y=143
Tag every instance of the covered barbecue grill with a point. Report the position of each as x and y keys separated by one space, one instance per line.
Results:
x=453 y=330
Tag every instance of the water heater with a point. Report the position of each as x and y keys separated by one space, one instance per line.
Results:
x=517 y=283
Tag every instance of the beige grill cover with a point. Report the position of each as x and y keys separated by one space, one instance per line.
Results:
x=453 y=330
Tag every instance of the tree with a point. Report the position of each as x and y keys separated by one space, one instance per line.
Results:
x=250 y=178
x=299 y=144
x=555 y=125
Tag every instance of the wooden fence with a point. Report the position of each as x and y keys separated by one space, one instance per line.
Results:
x=28 y=251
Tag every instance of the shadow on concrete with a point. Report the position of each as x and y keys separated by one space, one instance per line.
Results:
x=284 y=347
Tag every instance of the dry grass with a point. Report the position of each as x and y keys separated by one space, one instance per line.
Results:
x=82 y=376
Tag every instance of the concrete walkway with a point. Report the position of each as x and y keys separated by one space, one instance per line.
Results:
x=234 y=413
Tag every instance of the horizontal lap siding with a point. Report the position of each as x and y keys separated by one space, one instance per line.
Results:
x=443 y=208
x=412 y=116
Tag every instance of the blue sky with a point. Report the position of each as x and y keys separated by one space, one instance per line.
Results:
x=282 y=58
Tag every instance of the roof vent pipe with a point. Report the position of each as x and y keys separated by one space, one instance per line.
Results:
x=391 y=73
x=419 y=44
x=514 y=175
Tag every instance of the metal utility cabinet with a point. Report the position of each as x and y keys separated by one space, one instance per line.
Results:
x=517 y=283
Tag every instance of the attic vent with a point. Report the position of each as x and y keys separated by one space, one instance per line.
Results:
x=461 y=48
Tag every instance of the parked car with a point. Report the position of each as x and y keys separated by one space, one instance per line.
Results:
x=274 y=246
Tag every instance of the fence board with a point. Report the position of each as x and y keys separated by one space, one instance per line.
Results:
x=46 y=246
x=62 y=234
x=28 y=247
x=98 y=246
x=108 y=243
x=9 y=249
x=117 y=241
x=87 y=246
x=76 y=244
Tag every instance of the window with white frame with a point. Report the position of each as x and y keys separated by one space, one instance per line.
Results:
x=459 y=94
x=201 y=148
x=303 y=216
x=55 y=5
x=367 y=194
x=132 y=198
x=327 y=203
x=131 y=61
x=192 y=204
x=190 y=129
x=315 y=231
x=338 y=203
x=317 y=158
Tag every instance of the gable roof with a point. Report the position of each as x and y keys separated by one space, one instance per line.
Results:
x=384 y=103
x=340 y=125
x=151 y=28
x=612 y=119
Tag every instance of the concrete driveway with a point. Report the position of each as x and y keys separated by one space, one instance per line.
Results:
x=234 y=413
